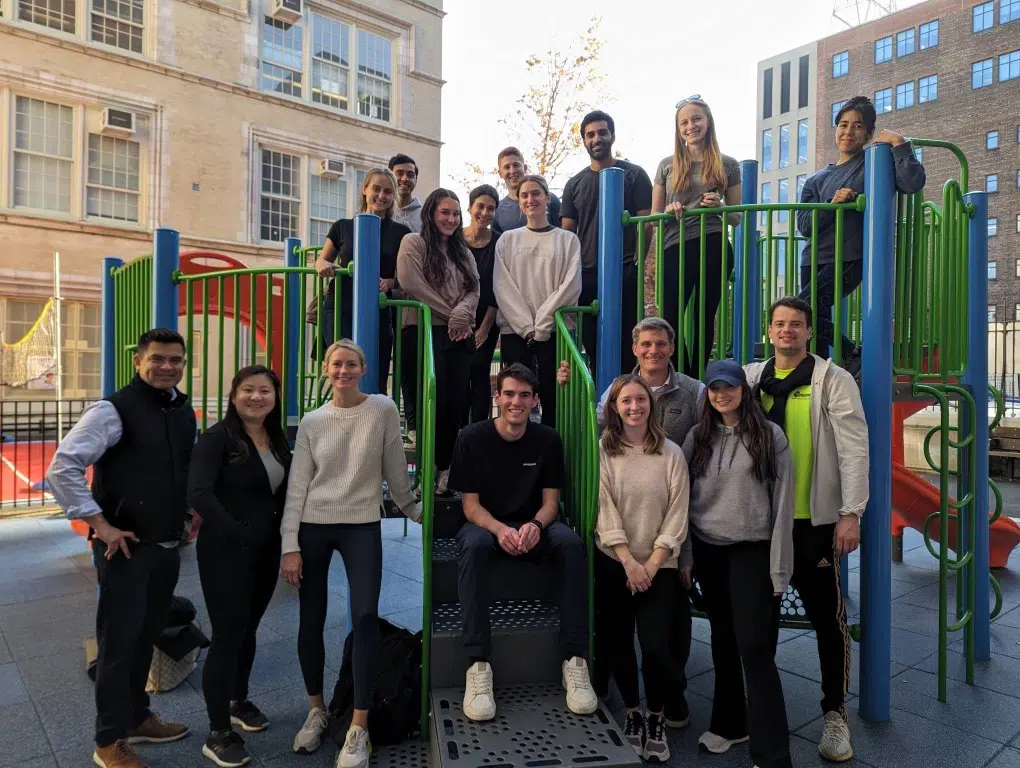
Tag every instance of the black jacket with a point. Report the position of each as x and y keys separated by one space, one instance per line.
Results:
x=232 y=494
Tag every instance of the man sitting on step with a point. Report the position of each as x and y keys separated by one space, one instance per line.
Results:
x=509 y=471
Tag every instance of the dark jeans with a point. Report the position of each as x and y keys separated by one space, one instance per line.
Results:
x=744 y=616
x=816 y=579
x=347 y=332
x=853 y=273
x=689 y=361
x=680 y=645
x=237 y=585
x=409 y=373
x=540 y=357
x=617 y=613
x=360 y=546
x=134 y=603
x=558 y=546
x=478 y=406
x=589 y=329
x=453 y=366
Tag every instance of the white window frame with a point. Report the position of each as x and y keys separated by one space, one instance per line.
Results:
x=83 y=25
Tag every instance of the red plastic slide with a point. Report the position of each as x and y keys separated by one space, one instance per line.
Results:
x=914 y=498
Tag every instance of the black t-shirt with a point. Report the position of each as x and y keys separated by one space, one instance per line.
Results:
x=580 y=202
x=390 y=235
x=484 y=260
x=508 y=476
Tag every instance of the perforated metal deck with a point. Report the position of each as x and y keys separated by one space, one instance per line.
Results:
x=504 y=615
x=533 y=729
x=413 y=753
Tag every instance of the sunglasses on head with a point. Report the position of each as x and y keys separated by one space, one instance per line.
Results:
x=692 y=97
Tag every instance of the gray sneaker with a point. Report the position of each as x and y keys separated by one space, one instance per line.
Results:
x=309 y=738
x=656 y=749
x=835 y=743
x=356 y=750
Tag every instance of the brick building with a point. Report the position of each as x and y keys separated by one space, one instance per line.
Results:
x=237 y=122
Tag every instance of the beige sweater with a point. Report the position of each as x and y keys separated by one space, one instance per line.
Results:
x=451 y=305
x=643 y=502
x=533 y=275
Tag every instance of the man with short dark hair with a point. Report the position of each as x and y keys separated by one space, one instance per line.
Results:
x=581 y=215
x=139 y=442
x=408 y=208
x=509 y=471
x=511 y=168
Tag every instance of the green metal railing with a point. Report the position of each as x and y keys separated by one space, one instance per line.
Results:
x=133 y=296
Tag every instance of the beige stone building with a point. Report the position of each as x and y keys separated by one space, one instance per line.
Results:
x=236 y=122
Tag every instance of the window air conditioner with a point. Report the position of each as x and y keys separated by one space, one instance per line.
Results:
x=331 y=168
x=288 y=11
x=117 y=122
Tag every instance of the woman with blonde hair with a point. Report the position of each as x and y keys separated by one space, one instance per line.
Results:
x=343 y=452
x=642 y=523
x=377 y=195
x=697 y=175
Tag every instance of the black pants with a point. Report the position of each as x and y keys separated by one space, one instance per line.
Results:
x=589 y=328
x=478 y=406
x=558 y=545
x=347 y=332
x=689 y=361
x=744 y=615
x=237 y=585
x=680 y=646
x=453 y=367
x=409 y=373
x=853 y=273
x=540 y=357
x=360 y=546
x=617 y=613
x=816 y=578
x=134 y=602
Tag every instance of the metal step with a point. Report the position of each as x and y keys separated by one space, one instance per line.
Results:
x=413 y=753
x=448 y=516
x=533 y=729
x=510 y=578
x=525 y=643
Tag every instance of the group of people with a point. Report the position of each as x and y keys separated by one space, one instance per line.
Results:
x=737 y=485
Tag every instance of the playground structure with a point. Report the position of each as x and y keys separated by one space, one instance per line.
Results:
x=924 y=267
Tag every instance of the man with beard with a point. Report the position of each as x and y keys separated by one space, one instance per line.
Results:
x=408 y=209
x=581 y=215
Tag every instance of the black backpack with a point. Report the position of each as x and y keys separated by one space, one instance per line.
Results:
x=396 y=701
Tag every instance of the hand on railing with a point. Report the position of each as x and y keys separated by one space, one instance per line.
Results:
x=844 y=195
x=563 y=373
x=888 y=137
x=386 y=284
x=677 y=209
x=709 y=200
x=324 y=267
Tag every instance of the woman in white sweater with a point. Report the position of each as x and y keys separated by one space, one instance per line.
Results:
x=537 y=270
x=642 y=523
x=343 y=452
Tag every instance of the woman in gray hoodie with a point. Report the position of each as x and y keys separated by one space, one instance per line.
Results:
x=741 y=527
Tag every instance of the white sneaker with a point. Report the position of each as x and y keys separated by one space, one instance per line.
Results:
x=716 y=744
x=835 y=743
x=479 y=701
x=356 y=750
x=443 y=485
x=411 y=441
x=309 y=738
x=581 y=698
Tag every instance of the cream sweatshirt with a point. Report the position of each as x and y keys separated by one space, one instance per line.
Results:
x=451 y=305
x=643 y=502
x=533 y=275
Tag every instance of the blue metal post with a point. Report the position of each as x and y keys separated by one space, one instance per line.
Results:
x=166 y=258
x=366 y=294
x=746 y=287
x=610 y=277
x=876 y=552
x=295 y=313
x=976 y=379
x=108 y=348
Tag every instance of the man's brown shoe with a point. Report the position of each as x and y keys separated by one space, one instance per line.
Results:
x=117 y=755
x=155 y=731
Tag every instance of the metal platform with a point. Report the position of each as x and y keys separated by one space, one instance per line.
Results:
x=412 y=753
x=533 y=729
x=508 y=578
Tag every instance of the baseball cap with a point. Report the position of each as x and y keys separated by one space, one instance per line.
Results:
x=724 y=370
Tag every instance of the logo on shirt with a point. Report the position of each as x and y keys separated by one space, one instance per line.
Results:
x=824 y=563
x=530 y=464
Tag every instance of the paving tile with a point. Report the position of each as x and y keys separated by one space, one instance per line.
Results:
x=69 y=718
x=62 y=672
x=911 y=648
x=1000 y=673
x=47 y=761
x=804 y=752
x=1008 y=618
x=899 y=588
x=928 y=597
x=56 y=585
x=920 y=577
x=1007 y=758
x=286 y=710
x=5 y=652
x=12 y=688
x=64 y=634
x=276 y=666
x=403 y=561
x=409 y=619
x=22 y=736
x=800 y=657
x=398 y=593
x=923 y=621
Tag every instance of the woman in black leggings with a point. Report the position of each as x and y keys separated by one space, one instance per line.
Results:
x=697 y=175
x=481 y=241
x=237 y=484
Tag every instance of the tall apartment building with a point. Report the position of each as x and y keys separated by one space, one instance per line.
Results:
x=237 y=122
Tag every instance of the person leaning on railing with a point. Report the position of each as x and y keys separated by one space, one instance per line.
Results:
x=842 y=182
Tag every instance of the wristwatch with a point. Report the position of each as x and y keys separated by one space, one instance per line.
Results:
x=538 y=523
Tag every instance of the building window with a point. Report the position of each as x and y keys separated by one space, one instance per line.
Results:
x=983 y=16
x=1018 y=179
x=981 y=74
x=331 y=62
x=766 y=198
x=1018 y=260
x=993 y=227
x=992 y=182
x=326 y=203
x=282 y=57
x=80 y=358
x=280 y=200
x=883 y=50
x=883 y=100
x=766 y=149
x=112 y=187
x=991 y=313
x=802 y=140
x=839 y=105
x=928 y=89
x=1018 y=232
x=43 y=154
x=905 y=42
x=784 y=197
x=54 y=14
x=801 y=181
x=375 y=75
x=929 y=35
x=766 y=94
x=1016 y=317
x=119 y=23
x=1009 y=10
x=784 y=146
x=992 y=140
x=841 y=64
x=784 y=87
x=905 y=95
x=803 y=81
x=1009 y=66
x=993 y=269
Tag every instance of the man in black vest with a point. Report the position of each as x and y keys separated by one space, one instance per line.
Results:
x=139 y=443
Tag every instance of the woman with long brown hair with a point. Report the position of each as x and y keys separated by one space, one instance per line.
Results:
x=696 y=175
x=481 y=241
x=642 y=523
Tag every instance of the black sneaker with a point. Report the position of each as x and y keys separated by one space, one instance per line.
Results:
x=678 y=715
x=248 y=716
x=226 y=749
x=634 y=730
x=656 y=748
